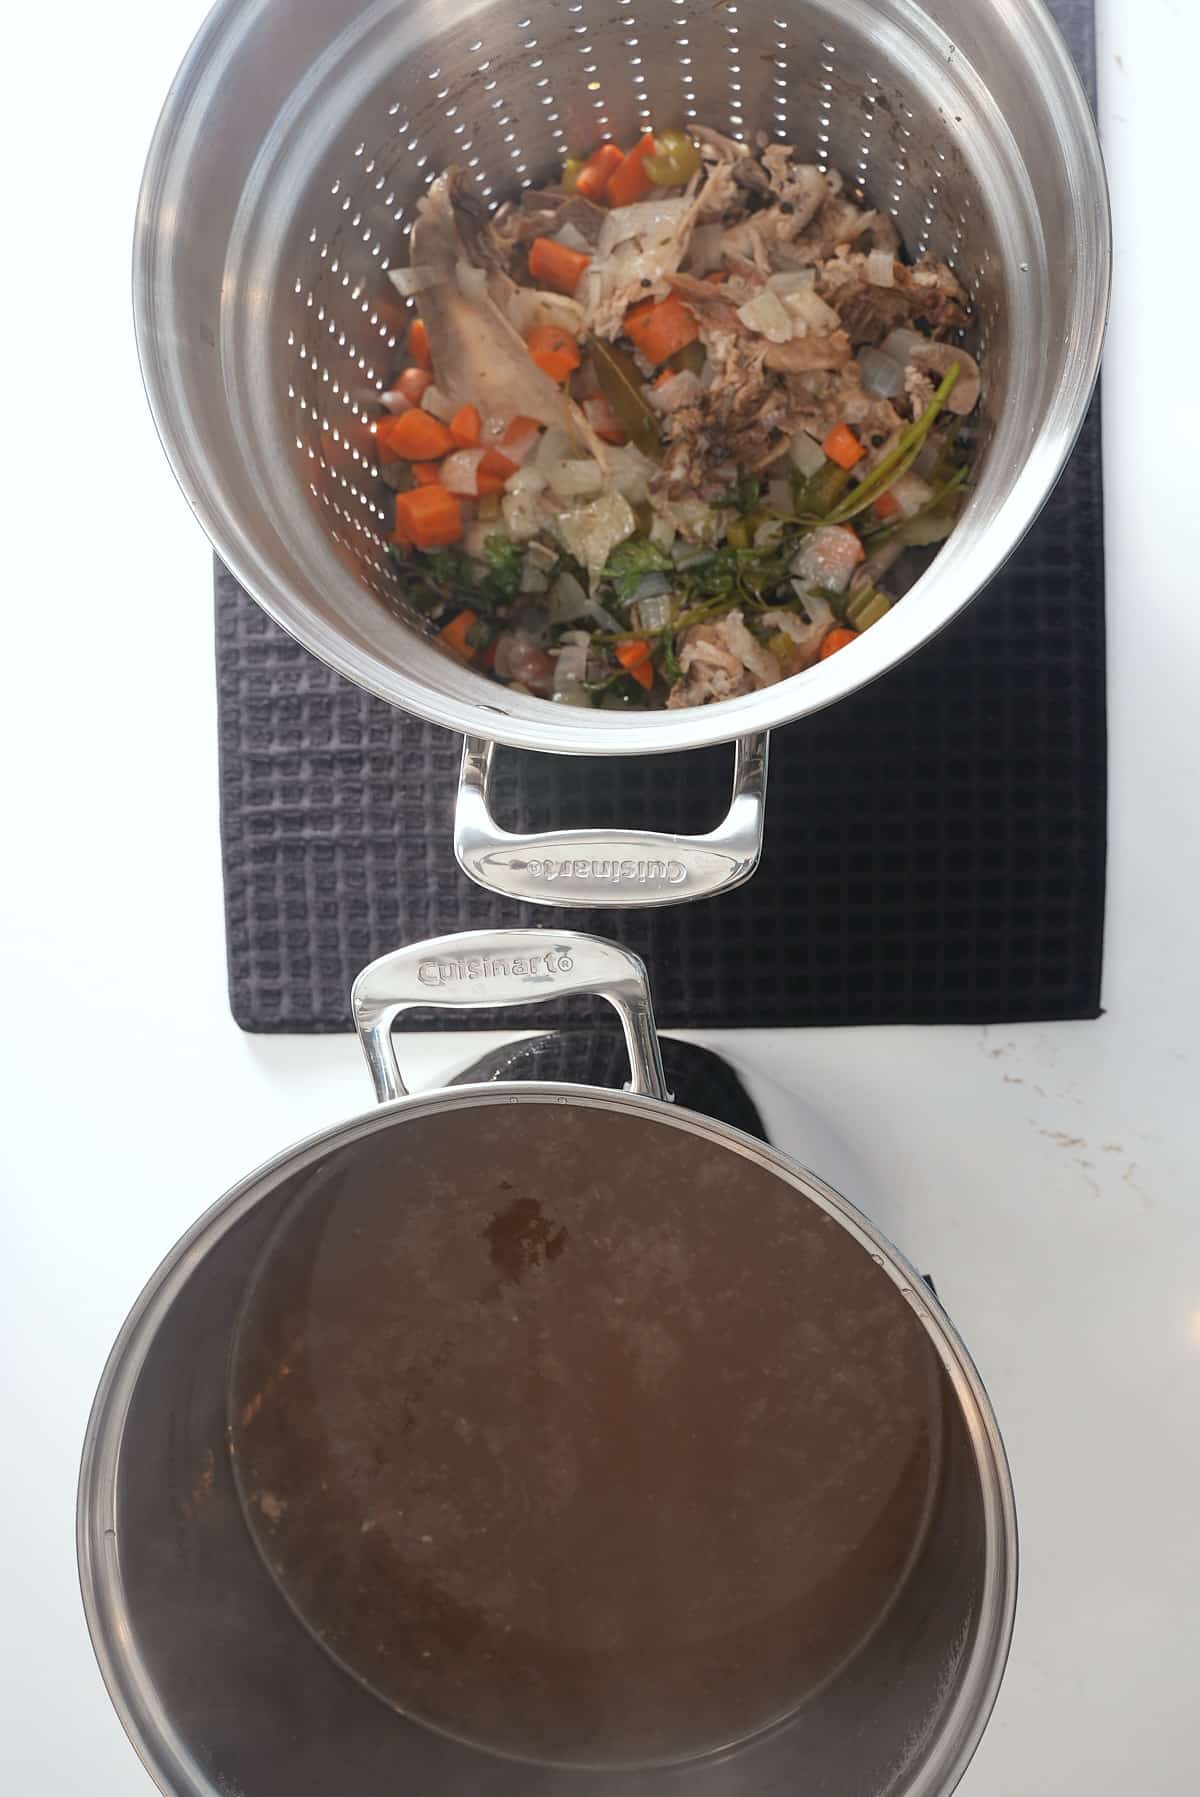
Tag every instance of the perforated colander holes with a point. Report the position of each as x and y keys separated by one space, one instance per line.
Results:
x=585 y=49
x=737 y=121
x=779 y=80
x=683 y=43
x=825 y=106
x=929 y=219
x=633 y=44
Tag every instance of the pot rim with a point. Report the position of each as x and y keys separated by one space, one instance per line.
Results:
x=129 y=1685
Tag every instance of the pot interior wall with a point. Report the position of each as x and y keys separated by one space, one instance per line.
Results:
x=254 y=1705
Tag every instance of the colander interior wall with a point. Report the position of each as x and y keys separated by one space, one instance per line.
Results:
x=284 y=182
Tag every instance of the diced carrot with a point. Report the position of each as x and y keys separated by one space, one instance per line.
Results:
x=887 y=505
x=418 y=345
x=603 y=419
x=401 y=533
x=487 y=660
x=555 y=266
x=660 y=327
x=416 y=435
x=630 y=182
x=843 y=447
x=496 y=466
x=634 y=656
x=412 y=384
x=466 y=427
x=520 y=438
x=592 y=179
x=475 y=472
x=454 y=634
x=554 y=350
x=663 y=376
x=837 y=639
x=426 y=474
x=431 y=517
x=716 y=278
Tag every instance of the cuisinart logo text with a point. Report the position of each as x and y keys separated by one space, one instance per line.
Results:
x=616 y=873
x=494 y=967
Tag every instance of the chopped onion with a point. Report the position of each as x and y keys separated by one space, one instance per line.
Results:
x=568 y=599
x=881 y=267
x=524 y=514
x=827 y=559
x=572 y=238
x=395 y=401
x=662 y=531
x=576 y=479
x=526 y=480
x=704 y=251
x=476 y=536
x=653 y=612
x=911 y=493
x=553 y=448
x=540 y=555
x=597 y=613
x=416 y=279
x=630 y=472
x=807 y=309
x=767 y=314
x=791 y=280
x=650 y=586
x=435 y=401
x=881 y=374
x=570 y=667
x=807 y=454
x=533 y=579
x=518 y=657
x=768 y=533
x=655 y=220
x=901 y=344
x=678 y=390
x=529 y=306
x=459 y=473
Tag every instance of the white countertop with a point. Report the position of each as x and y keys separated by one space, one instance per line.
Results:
x=1048 y=1175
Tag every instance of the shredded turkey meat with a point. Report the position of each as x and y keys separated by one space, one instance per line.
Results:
x=721 y=661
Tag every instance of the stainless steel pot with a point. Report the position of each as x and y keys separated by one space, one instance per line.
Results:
x=283 y=176
x=221 y=1690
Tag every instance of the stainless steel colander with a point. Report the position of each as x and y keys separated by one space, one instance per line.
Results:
x=281 y=184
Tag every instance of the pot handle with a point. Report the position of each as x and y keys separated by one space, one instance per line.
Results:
x=482 y=968
x=610 y=867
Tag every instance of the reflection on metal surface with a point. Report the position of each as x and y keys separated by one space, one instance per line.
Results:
x=610 y=867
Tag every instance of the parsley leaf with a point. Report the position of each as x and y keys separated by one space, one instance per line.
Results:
x=630 y=561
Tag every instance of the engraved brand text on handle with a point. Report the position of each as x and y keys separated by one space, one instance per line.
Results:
x=615 y=873
x=449 y=969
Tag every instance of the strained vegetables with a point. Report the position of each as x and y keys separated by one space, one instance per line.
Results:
x=666 y=427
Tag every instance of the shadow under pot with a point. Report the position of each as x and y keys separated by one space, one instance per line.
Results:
x=526 y=1436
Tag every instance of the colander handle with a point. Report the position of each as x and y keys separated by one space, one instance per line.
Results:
x=610 y=867
x=478 y=969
